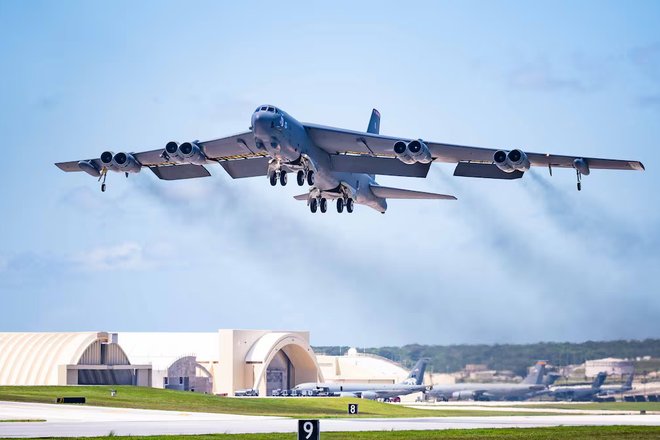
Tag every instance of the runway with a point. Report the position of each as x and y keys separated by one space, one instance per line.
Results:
x=82 y=421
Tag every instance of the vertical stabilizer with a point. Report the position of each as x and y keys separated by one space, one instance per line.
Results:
x=598 y=381
x=416 y=376
x=374 y=122
x=535 y=376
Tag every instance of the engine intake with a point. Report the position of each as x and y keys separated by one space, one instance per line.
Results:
x=402 y=153
x=510 y=161
x=187 y=152
x=106 y=158
x=413 y=152
x=126 y=163
x=419 y=152
x=518 y=160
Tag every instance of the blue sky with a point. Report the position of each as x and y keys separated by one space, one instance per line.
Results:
x=508 y=262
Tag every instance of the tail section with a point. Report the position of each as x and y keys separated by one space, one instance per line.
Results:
x=629 y=381
x=397 y=193
x=374 y=122
x=416 y=376
x=598 y=381
x=535 y=376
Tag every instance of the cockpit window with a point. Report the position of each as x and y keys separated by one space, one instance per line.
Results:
x=271 y=109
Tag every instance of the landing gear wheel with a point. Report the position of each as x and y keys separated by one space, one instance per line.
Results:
x=103 y=187
x=313 y=205
x=283 y=178
x=349 y=205
x=310 y=177
x=323 y=204
x=273 y=179
x=340 y=205
x=301 y=178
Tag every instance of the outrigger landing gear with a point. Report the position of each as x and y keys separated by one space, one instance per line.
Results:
x=579 y=180
x=104 y=174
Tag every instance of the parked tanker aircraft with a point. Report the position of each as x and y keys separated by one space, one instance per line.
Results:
x=412 y=384
x=335 y=163
x=493 y=391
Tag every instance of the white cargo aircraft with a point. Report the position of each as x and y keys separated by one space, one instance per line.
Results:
x=336 y=164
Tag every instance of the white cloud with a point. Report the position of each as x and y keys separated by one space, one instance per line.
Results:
x=123 y=256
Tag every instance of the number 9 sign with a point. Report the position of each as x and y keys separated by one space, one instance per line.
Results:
x=308 y=430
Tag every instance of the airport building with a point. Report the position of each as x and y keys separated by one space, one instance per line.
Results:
x=86 y=358
x=612 y=366
x=219 y=362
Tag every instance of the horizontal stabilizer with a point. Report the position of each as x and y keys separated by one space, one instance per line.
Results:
x=377 y=165
x=302 y=196
x=179 y=172
x=484 y=170
x=397 y=193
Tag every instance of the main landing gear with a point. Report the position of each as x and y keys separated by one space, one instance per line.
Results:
x=301 y=177
x=321 y=204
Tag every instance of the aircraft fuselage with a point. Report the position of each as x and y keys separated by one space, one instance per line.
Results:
x=286 y=141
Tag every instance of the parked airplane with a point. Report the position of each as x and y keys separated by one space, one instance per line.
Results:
x=614 y=389
x=337 y=164
x=532 y=383
x=578 y=392
x=413 y=383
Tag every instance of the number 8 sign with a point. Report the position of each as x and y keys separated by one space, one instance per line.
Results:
x=352 y=408
x=308 y=430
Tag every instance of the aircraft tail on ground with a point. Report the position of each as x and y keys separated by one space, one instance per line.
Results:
x=535 y=376
x=397 y=193
x=374 y=122
x=598 y=381
x=629 y=381
x=416 y=376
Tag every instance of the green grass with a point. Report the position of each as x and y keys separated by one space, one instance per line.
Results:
x=300 y=407
x=21 y=420
x=605 y=406
x=560 y=433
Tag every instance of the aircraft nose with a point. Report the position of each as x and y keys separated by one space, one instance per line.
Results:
x=262 y=122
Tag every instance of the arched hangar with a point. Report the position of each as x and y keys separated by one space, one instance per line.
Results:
x=81 y=358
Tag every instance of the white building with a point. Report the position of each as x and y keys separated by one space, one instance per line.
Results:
x=612 y=366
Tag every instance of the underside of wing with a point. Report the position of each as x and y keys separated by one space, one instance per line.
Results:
x=180 y=172
x=337 y=141
x=377 y=165
x=398 y=193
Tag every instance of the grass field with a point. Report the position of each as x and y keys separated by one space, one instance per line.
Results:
x=21 y=420
x=300 y=407
x=561 y=433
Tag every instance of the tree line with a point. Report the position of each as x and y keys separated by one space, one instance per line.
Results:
x=514 y=357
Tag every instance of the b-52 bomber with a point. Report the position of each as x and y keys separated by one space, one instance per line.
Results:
x=335 y=163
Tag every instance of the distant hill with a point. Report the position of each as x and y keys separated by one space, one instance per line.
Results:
x=515 y=357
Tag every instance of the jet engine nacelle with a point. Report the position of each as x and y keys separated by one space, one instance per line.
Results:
x=370 y=395
x=518 y=160
x=126 y=163
x=106 y=159
x=346 y=394
x=419 y=152
x=402 y=153
x=192 y=153
x=510 y=161
x=187 y=152
x=462 y=395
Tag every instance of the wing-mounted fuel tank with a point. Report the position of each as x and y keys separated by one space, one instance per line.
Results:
x=413 y=152
x=463 y=395
x=510 y=161
x=187 y=152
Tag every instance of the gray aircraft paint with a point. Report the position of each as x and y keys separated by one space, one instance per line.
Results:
x=533 y=382
x=412 y=384
x=278 y=144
